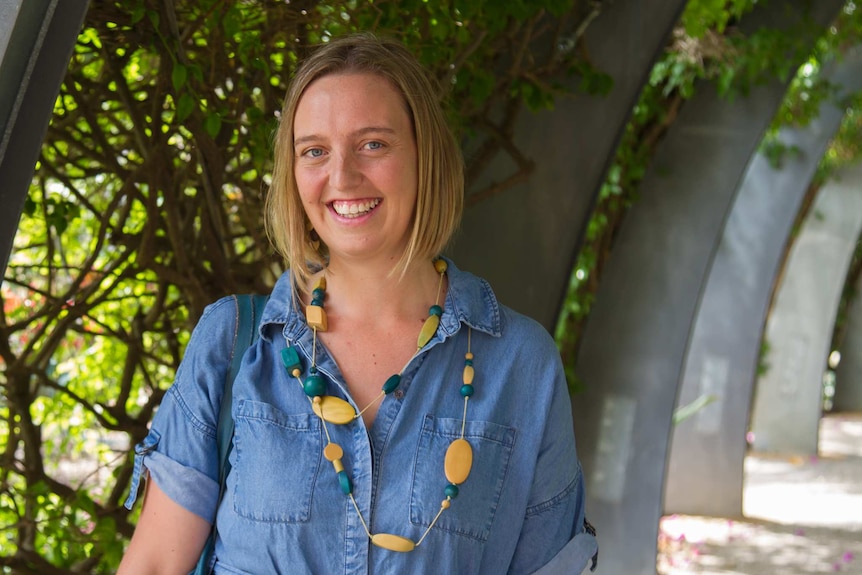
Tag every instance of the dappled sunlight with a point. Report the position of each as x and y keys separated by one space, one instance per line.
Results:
x=802 y=515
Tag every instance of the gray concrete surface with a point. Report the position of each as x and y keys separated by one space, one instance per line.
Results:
x=633 y=347
x=848 y=375
x=803 y=515
x=705 y=471
x=787 y=405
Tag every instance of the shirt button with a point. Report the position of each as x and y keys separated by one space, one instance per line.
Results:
x=398 y=394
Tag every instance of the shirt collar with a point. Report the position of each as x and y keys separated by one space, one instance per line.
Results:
x=469 y=300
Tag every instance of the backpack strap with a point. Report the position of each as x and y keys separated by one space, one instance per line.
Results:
x=249 y=310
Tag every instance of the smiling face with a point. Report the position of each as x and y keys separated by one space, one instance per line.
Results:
x=356 y=165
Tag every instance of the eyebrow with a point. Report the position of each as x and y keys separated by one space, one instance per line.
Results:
x=360 y=132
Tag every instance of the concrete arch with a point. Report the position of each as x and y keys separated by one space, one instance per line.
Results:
x=788 y=401
x=848 y=376
x=635 y=341
x=518 y=239
x=705 y=469
x=36 y=41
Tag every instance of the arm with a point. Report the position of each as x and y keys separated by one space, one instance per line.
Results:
x=167 y=540
x=553 y=538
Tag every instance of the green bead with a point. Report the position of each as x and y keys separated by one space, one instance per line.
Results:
x=314 y=386
x=435 y=310
x=451 y=491
x=290 y=359
x=391 y=383
x=344 y=481
x=466 y=390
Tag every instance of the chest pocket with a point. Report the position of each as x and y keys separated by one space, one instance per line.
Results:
x=277 y=463
x=472 y=512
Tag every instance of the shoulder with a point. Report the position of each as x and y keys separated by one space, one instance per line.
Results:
x=200 y=377
x=475 y=304
x=517 y=327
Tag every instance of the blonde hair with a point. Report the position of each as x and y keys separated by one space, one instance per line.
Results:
x=440 y=174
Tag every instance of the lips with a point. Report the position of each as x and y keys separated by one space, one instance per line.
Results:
x=354 y=209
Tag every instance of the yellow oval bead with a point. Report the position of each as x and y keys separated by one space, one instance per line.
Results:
x=333 y=451
x=393 y=542
x=429 y=328
x=440 y=265
x=468 y=374
x=320 y=283
x=459 y=460
x=334 y=410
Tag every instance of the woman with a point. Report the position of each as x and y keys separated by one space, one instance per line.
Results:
x=465 y=462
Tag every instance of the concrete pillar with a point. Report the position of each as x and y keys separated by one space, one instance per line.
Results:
x=36 y=42
x=848 y=376
x=788 y=400
x=705 y=470
x=634 y=344
x=525 y=240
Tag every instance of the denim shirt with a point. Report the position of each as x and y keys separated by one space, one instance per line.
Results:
x=521 y=509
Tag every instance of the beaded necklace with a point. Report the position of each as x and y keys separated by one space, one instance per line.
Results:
x=330 y=409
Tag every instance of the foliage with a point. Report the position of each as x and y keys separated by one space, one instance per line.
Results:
x=146 y=206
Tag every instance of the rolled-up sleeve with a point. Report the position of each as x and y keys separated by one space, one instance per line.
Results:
x=180 y=451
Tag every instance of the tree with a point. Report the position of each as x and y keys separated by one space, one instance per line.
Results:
x=147 y=204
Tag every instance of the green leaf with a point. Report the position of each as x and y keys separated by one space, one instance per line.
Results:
x=185 y=107
x=179 y=75
x=686 y=411
x=212 y=124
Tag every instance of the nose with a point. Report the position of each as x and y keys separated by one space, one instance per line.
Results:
x=345 y=172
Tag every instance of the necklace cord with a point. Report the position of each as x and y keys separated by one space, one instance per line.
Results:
x=459 y=455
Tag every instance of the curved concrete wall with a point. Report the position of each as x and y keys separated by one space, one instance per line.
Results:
x=525 y=239
x=848 y=376
x=705 y=472
x=635 y=341
x=788 y=400
x=36 y=41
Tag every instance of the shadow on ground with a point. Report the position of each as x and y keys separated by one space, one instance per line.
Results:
x=802 y=515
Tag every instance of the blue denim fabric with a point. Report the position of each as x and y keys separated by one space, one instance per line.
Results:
x=283 y=511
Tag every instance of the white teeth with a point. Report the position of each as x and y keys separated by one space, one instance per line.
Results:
x=354 y=209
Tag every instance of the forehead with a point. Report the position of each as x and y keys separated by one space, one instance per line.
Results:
x=361 y=95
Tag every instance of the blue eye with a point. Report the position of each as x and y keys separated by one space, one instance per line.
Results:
x=314 y=153
x=374 y=145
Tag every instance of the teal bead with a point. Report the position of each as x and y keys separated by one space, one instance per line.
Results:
x=391 y=383
x=344 y=481
x=317 y=302
x=468 y=362
x=318 y=293
x=290 y=359
x=435 y=310
x=466 y=390
x=314 y=386
x=451 y=491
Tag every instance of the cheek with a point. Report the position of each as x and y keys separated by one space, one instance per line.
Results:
x=305 y=186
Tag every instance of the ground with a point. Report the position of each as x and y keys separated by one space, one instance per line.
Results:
x=803 y=515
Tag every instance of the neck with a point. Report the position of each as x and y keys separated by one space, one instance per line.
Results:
x=377 y=294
